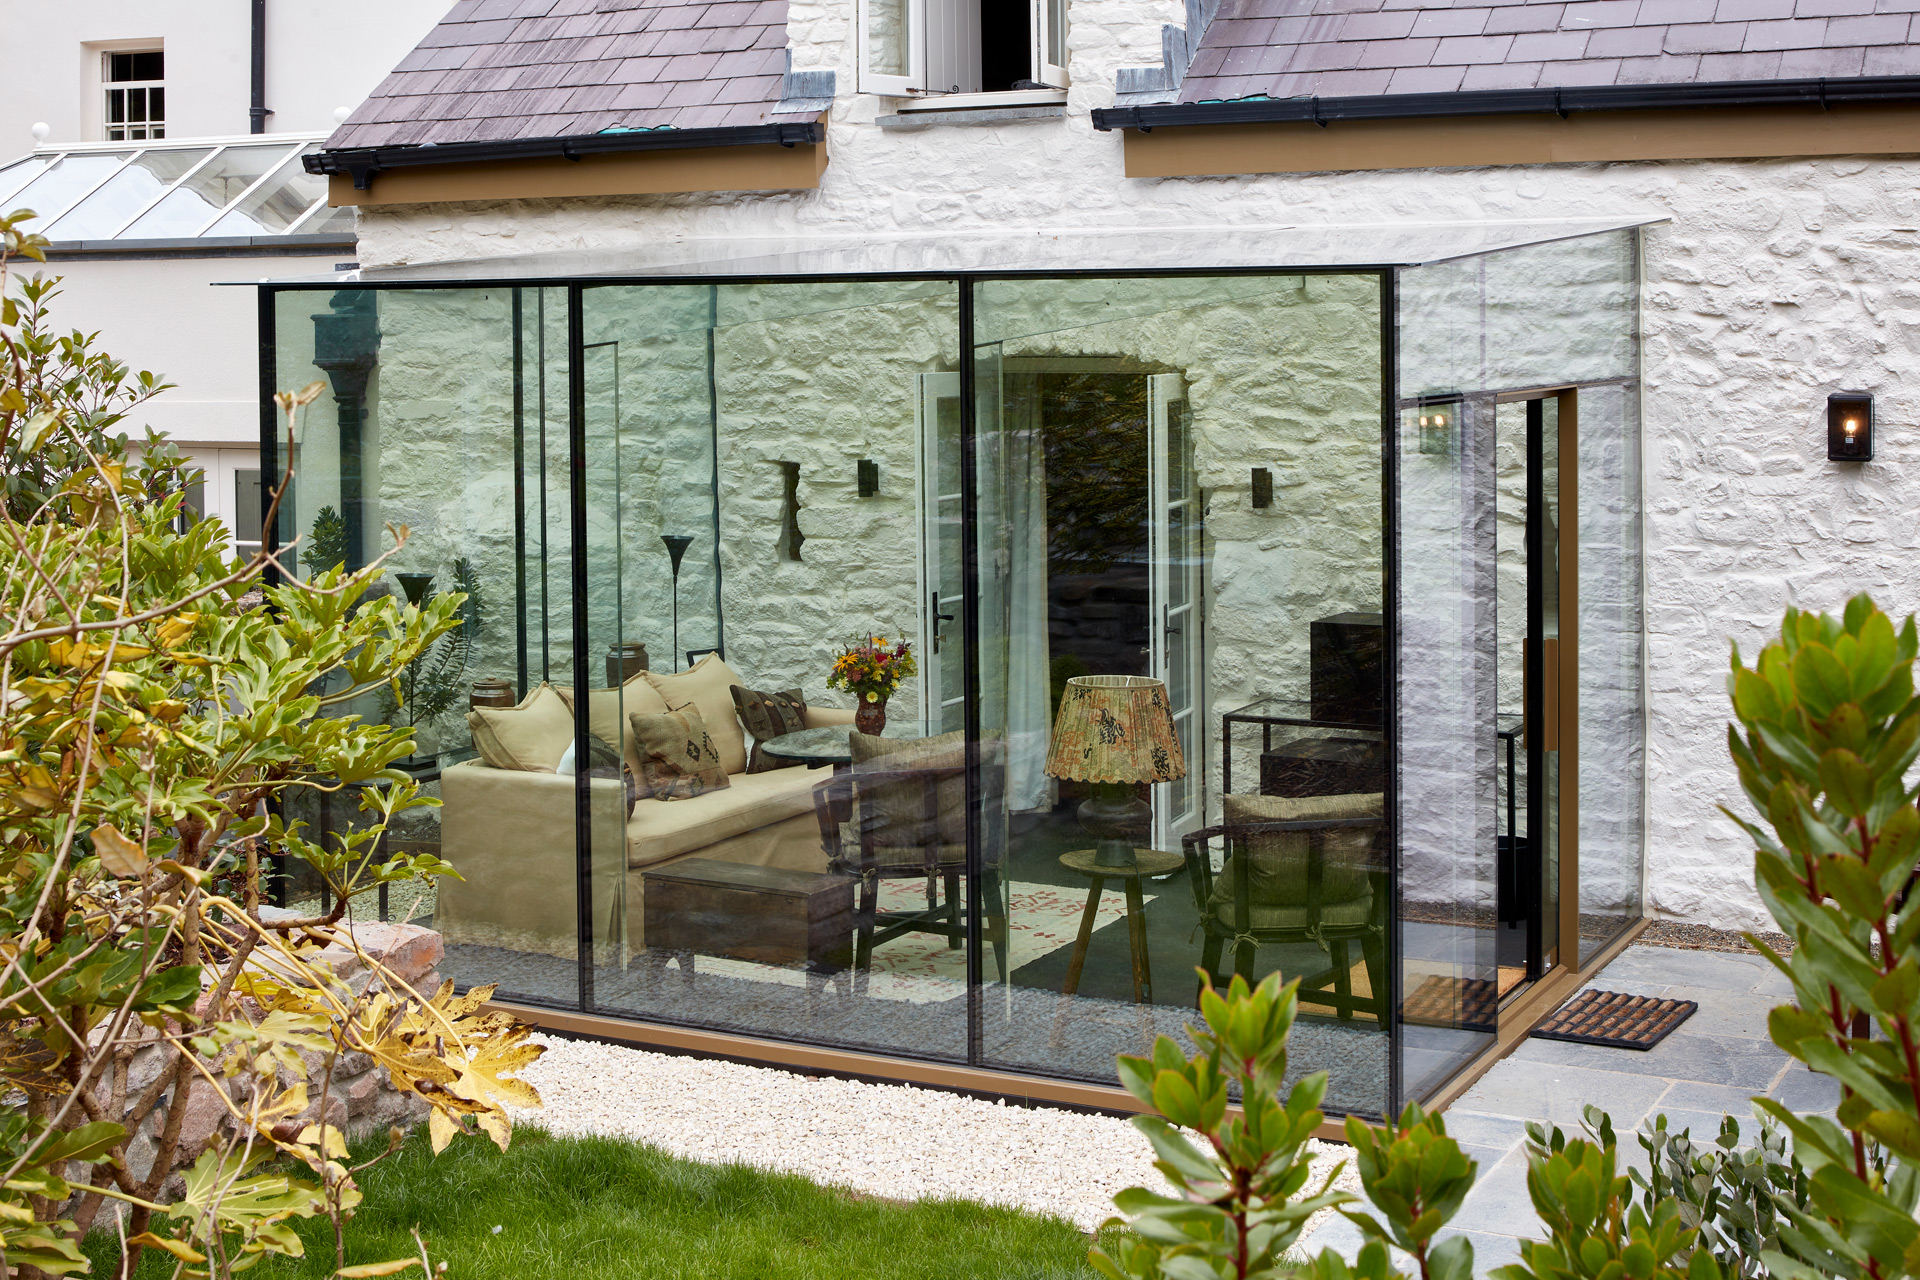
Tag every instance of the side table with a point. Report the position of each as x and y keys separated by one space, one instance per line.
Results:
x=1146 y=862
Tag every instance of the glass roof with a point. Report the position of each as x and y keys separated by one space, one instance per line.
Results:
x=186 y=189
x=1039 y=252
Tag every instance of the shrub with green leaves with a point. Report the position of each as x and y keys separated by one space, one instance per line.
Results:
x=1740 y=1198
x=1827 y=728
x=1239 y=1204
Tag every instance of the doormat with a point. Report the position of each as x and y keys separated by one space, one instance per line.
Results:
x=1469 y=1004
x=1615 y=1020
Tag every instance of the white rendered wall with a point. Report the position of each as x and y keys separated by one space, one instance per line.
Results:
x=171 y=318
x=1774 y=283
x=319 y=57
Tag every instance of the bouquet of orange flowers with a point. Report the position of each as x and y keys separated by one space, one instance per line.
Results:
x=872 y=668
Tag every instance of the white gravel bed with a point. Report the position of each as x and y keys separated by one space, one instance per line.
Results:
x=897 y=1141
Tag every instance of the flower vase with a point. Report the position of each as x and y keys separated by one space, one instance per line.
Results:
x=871 y=718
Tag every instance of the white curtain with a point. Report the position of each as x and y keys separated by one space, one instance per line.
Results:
x=1022 y=485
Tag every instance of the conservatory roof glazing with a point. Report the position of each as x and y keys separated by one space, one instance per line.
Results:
x=177 y=193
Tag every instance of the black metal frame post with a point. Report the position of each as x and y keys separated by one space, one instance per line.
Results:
x=520 y=496
x=264 y=320
x=971 y=682
x=577 y=504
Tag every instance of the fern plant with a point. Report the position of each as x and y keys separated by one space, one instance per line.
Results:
x=431 y=685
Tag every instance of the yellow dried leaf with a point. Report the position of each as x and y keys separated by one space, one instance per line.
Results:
x=393 y=1268
x=119 y=855
x=174 y=1247
x=441 y=1129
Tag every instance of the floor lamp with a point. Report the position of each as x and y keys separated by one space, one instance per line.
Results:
x=677 y=544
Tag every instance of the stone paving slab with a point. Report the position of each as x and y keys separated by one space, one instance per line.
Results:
x=1712 y=1065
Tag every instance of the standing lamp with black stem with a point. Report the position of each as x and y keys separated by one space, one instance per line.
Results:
x=677 y=544
x=1115 y=732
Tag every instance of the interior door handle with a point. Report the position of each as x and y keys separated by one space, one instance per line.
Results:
x=938 y=618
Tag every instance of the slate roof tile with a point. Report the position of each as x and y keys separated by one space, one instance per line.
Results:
x=1337 y=48
x=499 y=69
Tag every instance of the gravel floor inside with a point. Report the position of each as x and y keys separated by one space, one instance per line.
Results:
x=896 y=1141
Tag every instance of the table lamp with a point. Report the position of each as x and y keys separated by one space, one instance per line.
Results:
x=1115 y=732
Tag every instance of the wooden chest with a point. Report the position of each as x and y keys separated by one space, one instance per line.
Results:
x=764 y=914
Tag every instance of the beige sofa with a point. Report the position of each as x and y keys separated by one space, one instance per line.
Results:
x=510 y=834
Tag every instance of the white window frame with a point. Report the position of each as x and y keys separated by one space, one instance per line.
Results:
x=924 y=25
x=109 y=86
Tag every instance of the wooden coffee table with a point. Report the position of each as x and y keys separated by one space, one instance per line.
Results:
x=1146 y=862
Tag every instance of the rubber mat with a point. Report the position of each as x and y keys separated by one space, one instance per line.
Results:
x=1615 y=1020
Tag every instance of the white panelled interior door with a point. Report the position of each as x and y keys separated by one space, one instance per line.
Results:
x=943 y=586
x=1176 y=621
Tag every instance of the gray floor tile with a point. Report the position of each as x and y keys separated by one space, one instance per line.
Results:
x=1728 y=1060
x=1542 y=1091
x=1490 y=1251
x=1720 y=970
x=1725 y=1013
x=1477 y=1128
x=1484 y=1158
x=1694 y=1095
x=1499 y=1201
x=1801 y=1090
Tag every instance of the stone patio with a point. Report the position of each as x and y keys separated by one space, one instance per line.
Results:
x=1712 y=1065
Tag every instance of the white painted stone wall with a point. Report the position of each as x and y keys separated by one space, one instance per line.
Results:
x=1773 y=283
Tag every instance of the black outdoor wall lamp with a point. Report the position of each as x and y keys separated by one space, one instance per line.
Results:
x=867 y=477
x=1850 y=426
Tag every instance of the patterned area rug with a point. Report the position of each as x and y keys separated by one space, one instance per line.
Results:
x=920 y=967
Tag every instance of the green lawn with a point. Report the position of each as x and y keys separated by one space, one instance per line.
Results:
x=585 y=1208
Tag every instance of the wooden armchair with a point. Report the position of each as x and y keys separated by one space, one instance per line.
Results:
x=882 y=820
x=1318 y=873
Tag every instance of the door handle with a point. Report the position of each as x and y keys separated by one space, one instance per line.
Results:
x=938 y=618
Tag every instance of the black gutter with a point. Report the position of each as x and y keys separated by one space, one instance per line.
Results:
x=1820 y=93
x=257 y=113
x=364 y=162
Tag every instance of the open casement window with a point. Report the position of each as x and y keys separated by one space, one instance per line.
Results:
x=914 y=47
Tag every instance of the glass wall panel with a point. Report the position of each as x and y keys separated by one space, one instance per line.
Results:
x=777 y=872
x=1612 y=690
x=433 y=419
x=1482 y=471
x=1180 y=573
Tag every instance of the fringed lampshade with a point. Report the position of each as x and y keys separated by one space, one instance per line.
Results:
x=1115 y=729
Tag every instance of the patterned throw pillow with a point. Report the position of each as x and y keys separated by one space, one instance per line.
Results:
x=677 y=757
x=767 y=716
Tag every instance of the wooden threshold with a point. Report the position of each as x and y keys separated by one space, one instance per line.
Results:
x=1527 y=1011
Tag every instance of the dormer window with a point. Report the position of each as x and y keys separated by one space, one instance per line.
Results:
x=136 y=107
x=925 y=47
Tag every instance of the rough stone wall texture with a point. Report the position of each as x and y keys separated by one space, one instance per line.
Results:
x=1773 y=283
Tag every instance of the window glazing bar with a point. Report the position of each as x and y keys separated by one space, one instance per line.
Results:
x=48 y=219
x=273 y=171
x=215 y=154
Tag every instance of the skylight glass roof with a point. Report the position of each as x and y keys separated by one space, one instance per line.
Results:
x=189 y=189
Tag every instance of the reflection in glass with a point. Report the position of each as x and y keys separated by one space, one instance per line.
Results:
x=1118 y=542
x=275 y=206
x=193 y=204
x=126 y=194
x=66 y=180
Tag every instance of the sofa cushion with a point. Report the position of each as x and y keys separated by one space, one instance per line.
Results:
x=677 y=756
x=608 y=709
x=531 y=737
x=768 y=716
x=661 y=829
x=1278 y=860
x=896 y=813
x=708 y=685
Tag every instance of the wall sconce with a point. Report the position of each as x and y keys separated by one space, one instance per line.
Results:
x=1434 y=423
x=1850 y=427
x=867 y=472
x=1262 y=488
